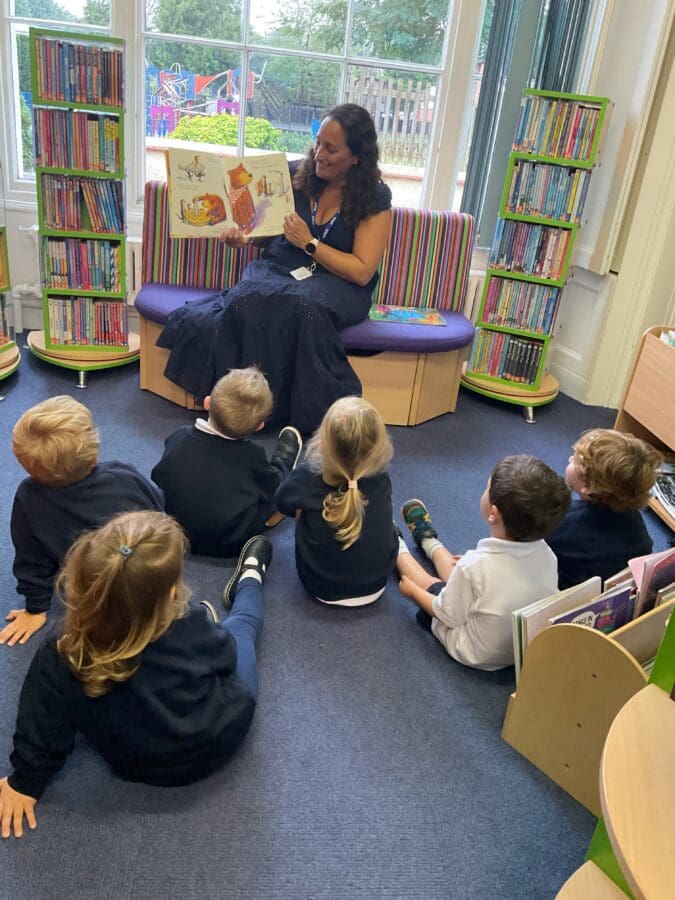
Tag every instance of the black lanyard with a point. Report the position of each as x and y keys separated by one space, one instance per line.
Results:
x=329 y=224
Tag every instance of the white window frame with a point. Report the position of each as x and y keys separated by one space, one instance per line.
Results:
x=127 y=19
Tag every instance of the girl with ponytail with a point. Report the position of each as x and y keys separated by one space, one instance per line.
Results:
x=156 y=684
x=345 y=544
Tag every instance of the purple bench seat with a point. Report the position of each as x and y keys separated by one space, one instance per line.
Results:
x=409 y=372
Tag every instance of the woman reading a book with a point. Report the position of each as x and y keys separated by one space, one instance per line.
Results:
x=317 y=278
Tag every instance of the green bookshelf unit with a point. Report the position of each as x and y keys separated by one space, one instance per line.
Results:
x=557 y=141
x=10 y=356
x=78 y=126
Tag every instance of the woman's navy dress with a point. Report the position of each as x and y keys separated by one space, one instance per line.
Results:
x=288 y=328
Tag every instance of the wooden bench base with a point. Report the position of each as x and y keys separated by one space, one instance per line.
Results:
x=405 y=388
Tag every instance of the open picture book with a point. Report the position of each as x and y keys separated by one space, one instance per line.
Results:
x=208 y=193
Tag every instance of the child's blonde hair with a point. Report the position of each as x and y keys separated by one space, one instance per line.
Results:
x=351 y=443
x=617 y=469
x=56 y=441
x=240 y=401
x=122 y=589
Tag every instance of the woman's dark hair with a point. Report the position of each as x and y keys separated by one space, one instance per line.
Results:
x=358 y=196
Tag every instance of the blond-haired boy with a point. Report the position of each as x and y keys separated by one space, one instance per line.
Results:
x=68 y=491
x=612 y=473
x=217 y=482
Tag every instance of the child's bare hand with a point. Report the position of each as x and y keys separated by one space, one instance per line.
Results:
x=13 y=807
x=22 y=626
x=234 y=237
x=406 y=586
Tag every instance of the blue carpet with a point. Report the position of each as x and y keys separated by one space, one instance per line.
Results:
x=374 y=768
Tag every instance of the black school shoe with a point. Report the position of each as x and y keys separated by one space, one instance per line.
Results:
x=210 y=611
x=289 y=447
x=256 y=555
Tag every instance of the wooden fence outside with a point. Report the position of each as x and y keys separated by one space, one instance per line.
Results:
x=403 y=112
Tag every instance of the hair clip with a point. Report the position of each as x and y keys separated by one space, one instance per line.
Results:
x=124 y=550
x=353 y=484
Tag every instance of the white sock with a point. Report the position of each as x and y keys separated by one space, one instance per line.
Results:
x=251 y=573
x=430 y=546
x=402 y=546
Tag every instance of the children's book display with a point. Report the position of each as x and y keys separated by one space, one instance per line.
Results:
x=577 y=665
x=78 y=127
x=646 y=583
x=208 y=194
x=556 y=145
x=9 y=352
x=405 y=315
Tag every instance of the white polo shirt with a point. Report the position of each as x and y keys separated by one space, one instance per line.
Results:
x=472 y=614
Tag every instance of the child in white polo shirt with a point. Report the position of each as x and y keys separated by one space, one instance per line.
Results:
x=468 y=605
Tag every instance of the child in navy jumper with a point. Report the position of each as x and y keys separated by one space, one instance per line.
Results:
x=217 y=482
x=158 y=688
x=345 y=543
x=613 y=474
x=68 y=492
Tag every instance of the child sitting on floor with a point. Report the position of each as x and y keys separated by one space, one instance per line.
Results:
x=69 y=491
x=160 y=689
x=612 y=473
x=345 y=544
x=469 y=609
x=216 y=482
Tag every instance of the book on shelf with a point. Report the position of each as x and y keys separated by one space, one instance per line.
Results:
x=405 y=315
x=76 y=139
x=557 y=126
x=610 y=610
x=531 y=619
x=521 y=304
x=652 y=572
x=79 y=70
x=529 y=248
x=68 y=201
x=547 y=190
x=664 y=488
x=87 y=322
x=82 y=264
x=209 y=194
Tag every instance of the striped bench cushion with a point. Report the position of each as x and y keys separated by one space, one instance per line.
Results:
x=426 y=262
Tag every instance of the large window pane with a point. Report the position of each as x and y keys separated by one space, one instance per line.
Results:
x=406 y=30
x=314 y=25
x=91 y=12
x=191 y=94
x=402 y=106
x=291 y=94
x=26 y=159
x=217 y=19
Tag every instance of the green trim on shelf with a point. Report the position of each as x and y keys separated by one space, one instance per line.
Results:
x=10 y=370
x=82 y=365
x=88 y=348
x=522 y=276
x=117 y=175
x=518 y=385
x=84 y=292
x=8 y=345
x=86 y=233
x=90 y=36
x=560 y=95
x=4 y=255
x=519 y=332
x=539 y=220
x=568 y=162
x=515 y=401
